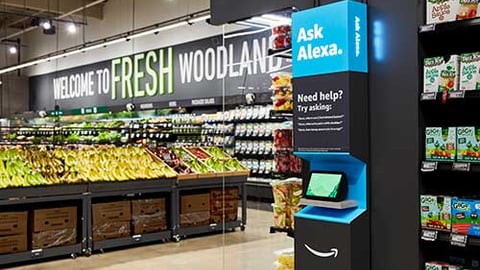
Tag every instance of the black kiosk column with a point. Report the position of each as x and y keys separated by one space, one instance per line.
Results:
x=329 y=59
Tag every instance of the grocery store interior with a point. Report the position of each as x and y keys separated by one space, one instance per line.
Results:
x=239 y=135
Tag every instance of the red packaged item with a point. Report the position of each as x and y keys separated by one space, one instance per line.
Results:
x=282 y=162
x=278 y=42
x=282 y=29
x=295 y=164
x=283 y=139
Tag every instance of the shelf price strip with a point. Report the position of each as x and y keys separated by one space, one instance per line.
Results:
x=457 y=94
x=428 y=166
x=461 y=167
x=458 y=240
x=429 y=235
x=428 y=96
x=427 y=28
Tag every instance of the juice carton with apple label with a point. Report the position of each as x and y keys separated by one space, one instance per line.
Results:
x=436 y=212
x=468 y=144
x=465 y=217
x=441 y=73
x=440 y=143
x=470 y=71
x=439 y=11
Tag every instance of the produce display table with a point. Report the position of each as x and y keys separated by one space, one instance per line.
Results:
x=84 y=195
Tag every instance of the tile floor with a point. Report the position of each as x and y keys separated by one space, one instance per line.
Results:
x=249 y=250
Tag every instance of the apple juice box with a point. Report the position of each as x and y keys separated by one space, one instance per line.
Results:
x=440 y=143
x=468 y=144
x=465 y=217
x=441 y=73
x=436 y=212
x=470 y=71
x=439 y=11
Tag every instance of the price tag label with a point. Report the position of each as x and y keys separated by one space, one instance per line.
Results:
x=458 y=240
x=428 y=166
x=37 y=253
x=427 y=28
x=457 y=94
x=429 y=96
x=461 y=167
x=137 y=238
x=429 y=235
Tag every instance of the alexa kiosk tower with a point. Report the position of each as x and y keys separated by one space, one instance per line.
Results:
x=329 y=59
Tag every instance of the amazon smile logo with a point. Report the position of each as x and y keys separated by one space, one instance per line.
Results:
x=332 y=253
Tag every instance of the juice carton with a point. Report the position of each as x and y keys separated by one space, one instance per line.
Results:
x=467 y=9
x=470 y=71
x=468 y=144
x=441 y=266
x=465 y=217
x=440 y=143
x=441 y=73
x=436 y=212
x=439 y=11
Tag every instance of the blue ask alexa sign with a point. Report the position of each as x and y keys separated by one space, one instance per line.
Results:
x=329 y=39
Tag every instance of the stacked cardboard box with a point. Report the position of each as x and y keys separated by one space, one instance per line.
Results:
x=54 y=227
x=224 y=201
x=149 y=215
x=195 y=210
x=111 y=220
x=13 y=232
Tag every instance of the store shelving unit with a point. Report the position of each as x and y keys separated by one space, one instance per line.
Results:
x=204 y=184
x=459 y=108
x=29 y=198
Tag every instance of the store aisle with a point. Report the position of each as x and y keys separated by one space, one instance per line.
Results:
x=249 y=250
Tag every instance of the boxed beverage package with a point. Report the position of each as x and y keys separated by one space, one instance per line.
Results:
x=467 y=9
x=465 y=217
x=441 y=73
x=468 y=143
x=441 y=266
x=440 y=143
x=439 y=11
x=436 y=212
x=470 y=71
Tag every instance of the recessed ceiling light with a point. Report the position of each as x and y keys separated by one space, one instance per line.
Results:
x=71 y=28
x=12 y=50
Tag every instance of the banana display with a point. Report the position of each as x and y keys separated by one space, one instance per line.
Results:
x=25 y=166
x=16 y=172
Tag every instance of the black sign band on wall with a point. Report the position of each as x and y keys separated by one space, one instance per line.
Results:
x=182 y=72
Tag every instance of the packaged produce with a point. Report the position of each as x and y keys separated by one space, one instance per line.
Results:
x=282 y=162
x=436 y=212
x=172 y=160
x=282 y=92
x=281 y=213
x=465 y=217
x=283 y=138
x=286 y=258
x=470 y=71
x=281 y=37
x=440 y=143
x=439 y=11
x=468 y=144
x=441 y=73
x=288 y=192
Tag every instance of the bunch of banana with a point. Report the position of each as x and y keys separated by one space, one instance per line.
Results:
x=15 y=172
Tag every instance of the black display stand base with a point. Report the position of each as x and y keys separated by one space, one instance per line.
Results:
x=332 y=246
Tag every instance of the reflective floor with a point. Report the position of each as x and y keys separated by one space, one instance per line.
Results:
x=252 y=249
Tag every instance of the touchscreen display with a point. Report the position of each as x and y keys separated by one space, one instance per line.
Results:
x=324 y=185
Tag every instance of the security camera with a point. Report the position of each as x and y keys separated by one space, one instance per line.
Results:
x=42 y=114
x=250 y=98
x=130 y=107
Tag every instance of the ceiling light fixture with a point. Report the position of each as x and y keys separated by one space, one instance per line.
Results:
x=12 y=50
x=182 y=21
x=71 y=28
x=47 y=25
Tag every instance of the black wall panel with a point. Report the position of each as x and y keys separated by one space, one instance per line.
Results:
x=393 y=82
